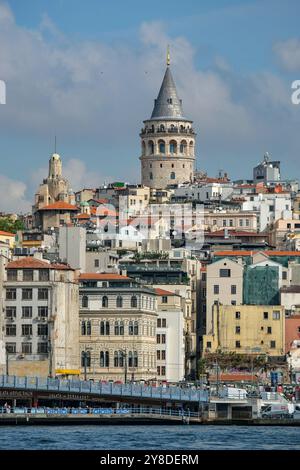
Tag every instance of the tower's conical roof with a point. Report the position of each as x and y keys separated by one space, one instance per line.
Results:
x=167 y=104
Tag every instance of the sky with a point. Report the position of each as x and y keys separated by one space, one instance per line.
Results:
x=88 y=72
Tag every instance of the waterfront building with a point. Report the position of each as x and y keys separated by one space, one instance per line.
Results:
x=117 y=328
x=170 y=348
x=247 y=329
x=40 y=318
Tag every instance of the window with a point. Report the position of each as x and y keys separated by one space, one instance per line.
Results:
x=158 y=322
x=158 y=355
x=104 y=328
x=172 y=175
x=225 y=272
x=104 y=301
x=43 y=275
x=133 y=302
x=233 y=289
x=88 y=328
x=11 y=330
x=151 y=176
x=104 y=359
x=135 y=359
x=269 y=330
x=173 y=146
x=164 y=323
x=42 y=294
x=276 y=315
x=130 y=359
x=233 y=302
x=12 y=274
x=163 y=339
x=26 y=294
x=85 y=301
x=130 y=328
x=163 y=370
x=161 y=146
x=237 y=344
x=11 y=312
x=83 y=328
x=27 y=348
x=11 y=347
x=224 y=222
x=273 y=344
x=42 y=348
x=119 y=301
x=266 y=315
x=158 y=339
x=163 y=355
x=237 y=330
x=96 y=263
x=117 y=328
x=284 y=275
x=164 y=299
x=158 y=370
x=11 y=294
x=85 y=359
x=26 y=330
x=136 y=328
x=43 y=312
x=26 y=312
x=216 y=289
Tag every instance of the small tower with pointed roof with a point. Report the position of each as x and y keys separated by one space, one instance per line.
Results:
x=168 y=140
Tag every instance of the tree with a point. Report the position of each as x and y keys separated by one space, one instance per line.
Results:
x=9 y=225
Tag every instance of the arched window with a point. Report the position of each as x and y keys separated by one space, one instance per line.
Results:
x=88 y=328
x=85 y=359
x=136 y=328
x=85 y=301
x=173 y=146
x=162 y=146
x=191 y=147
x=130 y=328
x=130 y=359
x=116 y=359
x=121 y=359
x=183 y=146
x=135 y=359
x=107 y=328
x=117 y=328
x=162 y=128
x=83 y=328
x=102 y=328
x=122 y=328
x=133 y=302
x=119 y=301
x=104 y=301
x=104 y=359
x=150 y=147
x=172 y=175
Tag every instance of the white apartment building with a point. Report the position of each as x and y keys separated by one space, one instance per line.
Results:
x=204 y=192
x=170 y=347
x=269 y=207
x=40 y=322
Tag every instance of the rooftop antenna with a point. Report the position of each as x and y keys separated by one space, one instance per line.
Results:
x=168 y=56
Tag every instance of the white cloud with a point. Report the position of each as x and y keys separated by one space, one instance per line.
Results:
x=288 y=53
x=13 y=196
x=79 y=176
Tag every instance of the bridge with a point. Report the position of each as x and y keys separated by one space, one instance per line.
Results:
x=34 y=389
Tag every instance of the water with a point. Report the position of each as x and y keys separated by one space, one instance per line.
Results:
x=149 y=437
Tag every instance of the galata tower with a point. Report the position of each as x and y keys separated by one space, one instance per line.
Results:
x=167 y=139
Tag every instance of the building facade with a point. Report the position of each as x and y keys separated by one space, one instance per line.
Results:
x=117 y=328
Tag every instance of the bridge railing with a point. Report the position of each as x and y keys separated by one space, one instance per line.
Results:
x=96 y=411
x=108 y=389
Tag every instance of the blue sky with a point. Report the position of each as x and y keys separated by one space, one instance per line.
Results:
x=89 y=72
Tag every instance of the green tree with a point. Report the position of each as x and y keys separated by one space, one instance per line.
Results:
x=9 y=225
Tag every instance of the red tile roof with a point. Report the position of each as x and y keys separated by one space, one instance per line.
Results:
x=58 y=206
x=29 y=262
x=102 y=277
x=238 y=233
x=82 y=216
x=164 y=292
x=6 y=234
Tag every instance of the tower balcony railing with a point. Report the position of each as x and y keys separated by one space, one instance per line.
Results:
x=170 y=130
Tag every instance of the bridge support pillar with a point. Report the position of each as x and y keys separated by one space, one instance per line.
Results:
x=34 y=401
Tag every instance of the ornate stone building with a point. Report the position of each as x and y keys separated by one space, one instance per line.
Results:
x=53 y=189
x=168 y=140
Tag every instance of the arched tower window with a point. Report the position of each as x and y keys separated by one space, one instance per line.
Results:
x=191 y=147
x=151 y=147
x=173 y=146
x=162 y=146
x=183 y=146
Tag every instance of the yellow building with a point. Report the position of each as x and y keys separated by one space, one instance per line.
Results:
x=246 y=329
x=8 y=238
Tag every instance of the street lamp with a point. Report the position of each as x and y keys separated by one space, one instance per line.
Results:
x=7 y=352
x=86 y=354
